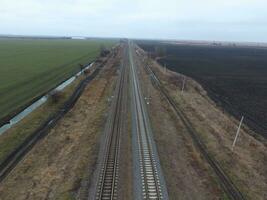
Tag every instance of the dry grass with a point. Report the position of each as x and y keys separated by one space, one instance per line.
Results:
x=17 y=134
x=186 y=175
x=56 y=166
x=247 y=164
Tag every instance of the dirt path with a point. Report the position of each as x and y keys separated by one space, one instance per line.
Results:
x=57 y=165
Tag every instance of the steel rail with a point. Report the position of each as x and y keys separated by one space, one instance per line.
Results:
x=150 y=179
x=226 y=183
x=107 y=182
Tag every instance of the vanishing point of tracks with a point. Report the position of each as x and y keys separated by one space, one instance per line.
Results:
x=150 y=182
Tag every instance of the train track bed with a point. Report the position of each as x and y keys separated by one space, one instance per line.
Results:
x=224 y=179
x=107 y=173
x=214 y=127
x=203 y=121
x=214 y=131
x=226 y=183
x=149 y=182
x=187 y=175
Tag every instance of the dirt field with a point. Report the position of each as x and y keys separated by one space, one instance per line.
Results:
x=58 y=165
x=186 y=175
x=233 y=76
x=246 y=165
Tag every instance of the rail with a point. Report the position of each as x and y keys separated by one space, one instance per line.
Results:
x=226 y=183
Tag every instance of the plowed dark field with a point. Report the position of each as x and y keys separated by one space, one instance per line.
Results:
x=235 y=77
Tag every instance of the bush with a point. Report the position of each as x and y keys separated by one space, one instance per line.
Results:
x=104 y=51
x=55 y=96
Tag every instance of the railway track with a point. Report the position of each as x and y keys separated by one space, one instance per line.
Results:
x=226 y=183
x=107 y=185
x=152 y=182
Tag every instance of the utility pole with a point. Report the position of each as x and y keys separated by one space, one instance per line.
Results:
x=237 y=132
x=165 y=69
x=183 y=84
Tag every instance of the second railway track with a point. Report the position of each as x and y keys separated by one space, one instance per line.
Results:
x=107 y=185
x=150 y=184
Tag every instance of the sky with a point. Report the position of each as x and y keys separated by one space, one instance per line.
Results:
x=224 y=20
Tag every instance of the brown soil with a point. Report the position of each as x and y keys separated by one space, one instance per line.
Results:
x=187 y=176
x=57 y=165
x=246 y=165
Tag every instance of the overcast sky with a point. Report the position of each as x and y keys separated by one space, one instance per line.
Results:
x=231 y=20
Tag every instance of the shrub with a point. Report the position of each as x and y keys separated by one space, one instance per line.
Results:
x=55 y=96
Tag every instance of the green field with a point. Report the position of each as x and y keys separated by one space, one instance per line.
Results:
x=30 y=67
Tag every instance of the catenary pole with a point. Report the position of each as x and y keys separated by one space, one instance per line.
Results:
x=183 y=84
x=237 y=132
